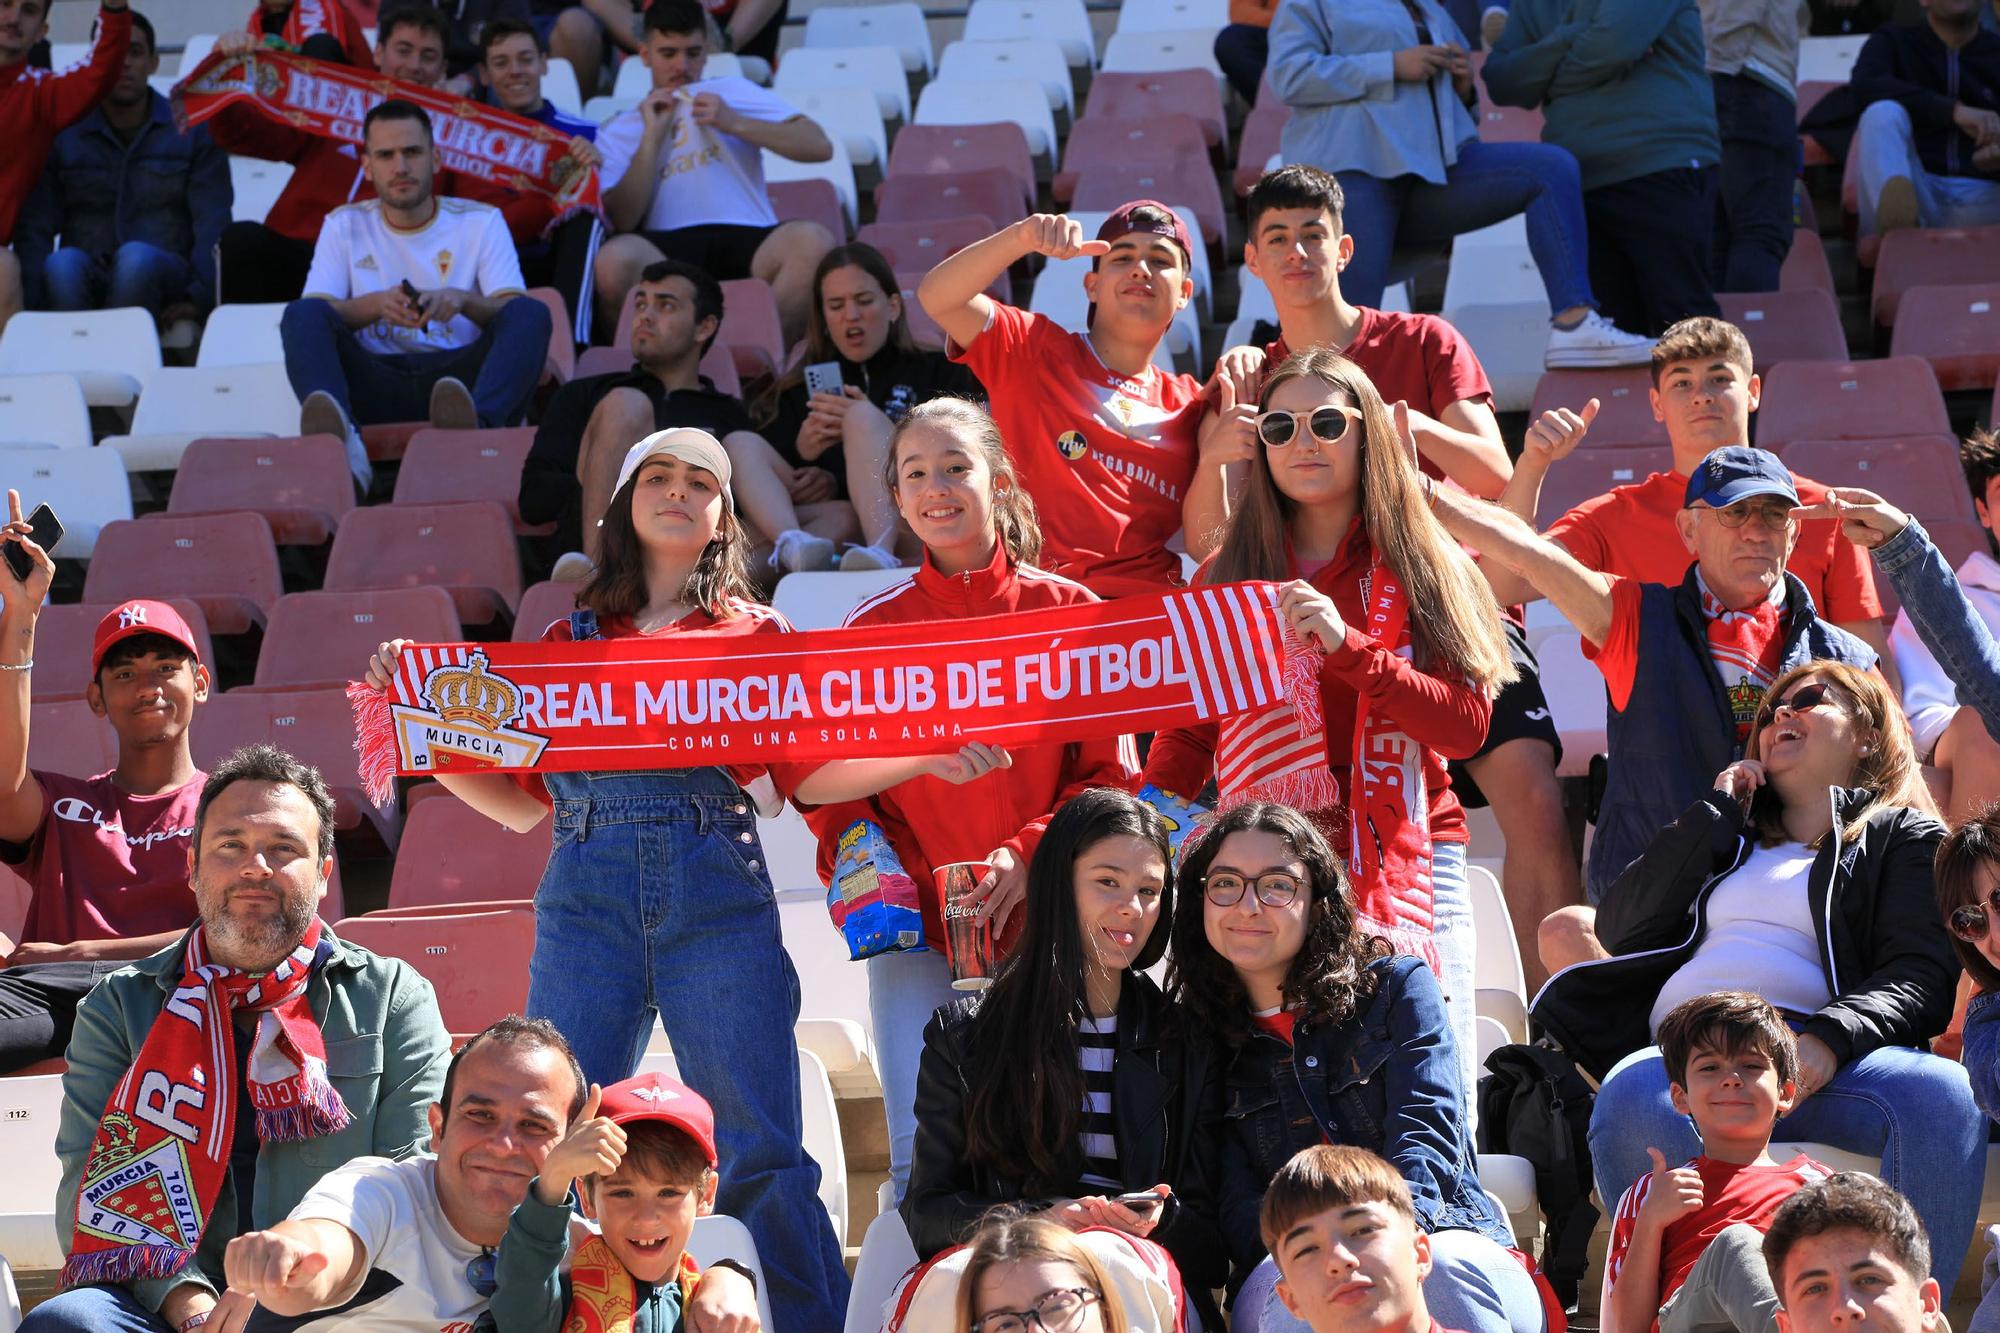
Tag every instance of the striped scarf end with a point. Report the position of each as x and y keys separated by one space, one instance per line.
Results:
x=124 y=1263
x=321 y=1114
x=374 y=741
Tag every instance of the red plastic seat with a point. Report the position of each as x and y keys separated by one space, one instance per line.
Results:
x=920 y=245
x=387 y=440
x=1183 y=183
x=466 y=549
x=477 y=962
x=1920 y=475
x=1893 y=398
x=1590 y=472
x=63 y=638
x=1501 y=124
x=1625 y=404
x=325 y=638
x=450 y=853
x=1805 y=264
x=1932 y=257
x=1101 y=141
x=542 y=605
x=301 y=485
x=1787 y=326
x=809 y=201
x=750 y=325
x=317 y=725
x=1262 y=130
x=443 y=466
x=226 y=564
x=924 y=331
x=1956 y=329
x=1127 y=95
x=998 y=149
x=65 y=737
x=720 y=363
x=1809 y=94
x=947 y=194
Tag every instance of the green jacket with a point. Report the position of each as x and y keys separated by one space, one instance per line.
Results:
x=386 y=1051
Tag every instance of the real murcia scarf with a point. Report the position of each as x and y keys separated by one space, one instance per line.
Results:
x=1060 y=674
x=331 y=100
x=162 y=1145
x=604 y=1297
x=1747 y=647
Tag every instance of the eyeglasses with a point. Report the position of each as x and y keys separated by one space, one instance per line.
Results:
x=482 y=1273
x=1971 y=922
x=1777 y=516
x=1329 y=425
x=1804 y=697
x=1275 y=888
x=1058 y=1311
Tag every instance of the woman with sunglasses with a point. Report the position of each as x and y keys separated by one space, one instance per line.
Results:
x=1326 y=1036
x=1403 y=654
x=1806 y=877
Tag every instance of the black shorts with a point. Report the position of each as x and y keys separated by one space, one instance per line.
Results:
x=722 y=249
x=1521 y=712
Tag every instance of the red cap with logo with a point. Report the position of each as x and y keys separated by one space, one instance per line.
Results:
x=657 y=1097
x=139 y=617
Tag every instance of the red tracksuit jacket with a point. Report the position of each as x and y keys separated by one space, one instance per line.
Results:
x=36 y=105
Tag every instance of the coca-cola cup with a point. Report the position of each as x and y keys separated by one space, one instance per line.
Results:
x=968 y=941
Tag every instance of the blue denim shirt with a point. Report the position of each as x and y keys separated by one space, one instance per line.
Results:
x=97 y=192
x=1333 y=63
x=1948 y=624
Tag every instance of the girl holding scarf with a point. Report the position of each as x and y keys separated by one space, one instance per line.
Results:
x=1403 y=652
x=1327 y=1036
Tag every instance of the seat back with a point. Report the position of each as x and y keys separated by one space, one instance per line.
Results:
x=65 y=737
x=750 y=321
x=946 y=194
x=86 y=487
x=1931 y=257
x=720 y=1237
x=66 y=632
x=30 y=1111
x=227 y=563
x=837 y=170
x=242 y=335
x=1020 y=102
x=44 y=409
x=1787 y=326
x=450 y=853
x=886 y=1254
x=1174 y=16
x=899 y=25
x=1066 y=22
x=1590 y=472
x=1806 y=264
x=477 y=961
x=542 y=605
x=878 y=68
x=810 y=201
x=939 y=147
x=467 y=548
x=315 y=724
x=217 y=400
x=450 y=466
x=1625 y=405
x=1185 y=183
x=257 y=185
x=325 y=638
x=300 y=484
x=1140 y=94
x=122 y=339
x=920 y=245
x=1893 y=398
x=1956 y=329
x=1920 y=475
x=1035 y=59
x=1154 y=51
x=1104 y=141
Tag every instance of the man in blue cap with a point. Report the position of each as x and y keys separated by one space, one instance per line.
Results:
x=1686 y=664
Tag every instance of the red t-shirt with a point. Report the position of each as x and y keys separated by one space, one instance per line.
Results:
x=1731 y=1193
x=1109 y=459
x=106 y=864
x=1280 y=1024
x=1629 y=531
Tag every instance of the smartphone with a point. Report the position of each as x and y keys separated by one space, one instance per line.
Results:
x=1143 y=1201
x=824 y=377
x=47 y=531
x=416 y=297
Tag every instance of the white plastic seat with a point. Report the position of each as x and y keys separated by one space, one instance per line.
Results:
x=193 y=52
x=837 y=170
x=987 y=101
x=850 y=116
x=728 y=65
x=1510 y=1181
x=1174 y=15
x=901 y=25
x=1828 y=59
x=876 y=68
x=633 y=80
x=184 y=404
x=1149 y=52
x=560 y=88
x=1500 y=986
x=30 y=1107
x=257 y=184
x=10 y=1299
x=599 y=110
x=719 y=1237
x=1493 y=266
x=1059 y=294
x=243 y=335
x=1037 y=59
x=107 y=351
x=43 y=410
x=1511 y=340
x=1576 y=696
x=86 y=488
x=822 y=599
x=1064 y=21
x=886 y=1254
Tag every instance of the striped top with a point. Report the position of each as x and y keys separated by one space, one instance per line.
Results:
x=1096 y=1048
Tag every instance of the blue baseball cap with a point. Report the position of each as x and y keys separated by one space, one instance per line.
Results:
x=1737 y=473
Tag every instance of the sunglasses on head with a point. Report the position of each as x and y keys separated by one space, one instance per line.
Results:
x=1804 y=697
x=1329 y=425
x=1971 y=921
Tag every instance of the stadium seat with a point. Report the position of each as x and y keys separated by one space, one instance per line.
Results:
x=10 y=1297
x=810 y=201
x=851 y=115
x=1625 y=405
x=300 y=484
x=1806 y=264
x=1500 y=984
x=886 y=1254
x=915 y=247
x=988 y=101
x=30 y=1109
x=477 y=961
x=450 y=853
x=721 y=1237
x=1576 y=697
x=1148 y=94
x=542 y=605
x=63 y=639
x=1493 y=266
x=963 y=150
x=1505 y=124
x=65 y=737
x=1892 y=398
x=836 y=171
x=225 y=563
x=1104 y=141
x=1956 y=329
x=86 y=487
x=446 y=466
x=1591 y=471
x=902 y=26
x=876 y=68
x=44 y=410
x=750 y=325
x=1066 y=22
x=1828 y=59
x=257 y=185
x=949 y=194
x=106 y=351
x=1787 y=326
x=1152 y=51
x=193 y=51
x=633 y=81
x=387 y=440
x=1932 y=257
x=561 y=362
x=1993 y=409
x=1036 y=59
x=242 y=335
x=1258 y=143
x=1174 y=16
x=824 y=599
x=1183 y=183
x=924 y=330
x=1511 y=340
x=467 y=549
x=1919 y=475
x=182 y=404
x=560 y=89
x=317 y=725
x=320 y=639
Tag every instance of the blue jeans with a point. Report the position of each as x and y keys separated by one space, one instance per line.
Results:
x=1474 y=1285
x=1912 y=1108
x=1489 y=183
x=1760 y=163
x=904 y=990
x=1885 y=146
x=104 y=1309
x=137 y=275
x=501 y=369
x=1948 y=624
x=1451 y=910
x=657 y=901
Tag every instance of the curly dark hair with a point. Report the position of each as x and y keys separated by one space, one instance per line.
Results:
x=1328 y=979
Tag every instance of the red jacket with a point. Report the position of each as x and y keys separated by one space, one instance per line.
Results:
x=1447 y=719
x=332 y=17
x=326 y=173
x=932 y=822
x=36 y=105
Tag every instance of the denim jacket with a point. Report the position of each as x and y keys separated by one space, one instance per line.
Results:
x=1982 y=1052
x=1387 y=1080
x=1945 y=621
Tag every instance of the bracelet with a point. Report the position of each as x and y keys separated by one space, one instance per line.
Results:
x=28 y=665
x=195 y=1320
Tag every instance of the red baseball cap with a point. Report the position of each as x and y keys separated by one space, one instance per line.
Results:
x=139 y=617
x=657 y=1097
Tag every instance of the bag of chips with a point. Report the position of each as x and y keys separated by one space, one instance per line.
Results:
x=1183 y=817
x=872 y=899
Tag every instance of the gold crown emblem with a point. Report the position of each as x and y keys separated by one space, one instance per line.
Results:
x=1743 y=696
x=468 y=694
x=119 y=1144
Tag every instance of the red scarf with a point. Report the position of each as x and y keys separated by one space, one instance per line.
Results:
x=1747 y=647
x=314 y=18
x=603 y=1297
x=162 y=1146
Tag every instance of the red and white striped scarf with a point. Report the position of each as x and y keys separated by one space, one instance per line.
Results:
x=1747 y=647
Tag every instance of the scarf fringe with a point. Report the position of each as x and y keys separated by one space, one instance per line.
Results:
x=321 y=1113
x=374 y=741
x=1306 y=790
x=1405 y=939
x=1301 y=675
x=126 y=1263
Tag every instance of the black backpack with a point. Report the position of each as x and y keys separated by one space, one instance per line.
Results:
x=1534 y=1104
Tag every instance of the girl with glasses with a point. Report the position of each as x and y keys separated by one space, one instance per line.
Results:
x=1031 y=1275
x=1805 y=876
x=1403 y=652
x=1327 y=1036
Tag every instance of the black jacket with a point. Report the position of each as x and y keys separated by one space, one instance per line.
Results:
x=1910 y=64
x=1163 y=1088
x=1888 y=961
x=893 y=379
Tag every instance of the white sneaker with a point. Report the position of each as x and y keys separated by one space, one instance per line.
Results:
x=861 y=558
x=796 y=551
x=1492 y=24
x=1595 y=341
x=572 y=567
